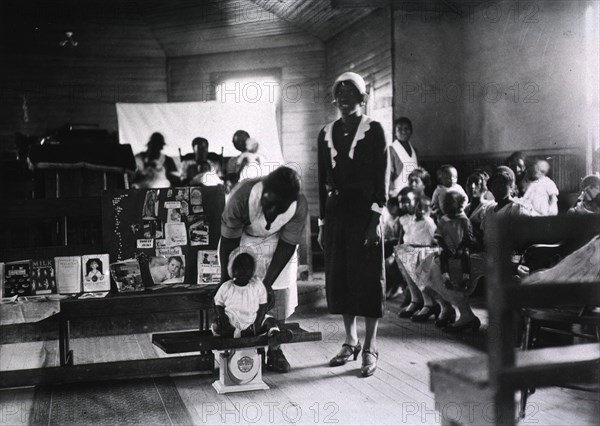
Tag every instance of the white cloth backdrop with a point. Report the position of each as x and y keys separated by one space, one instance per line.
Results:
x=180 y=122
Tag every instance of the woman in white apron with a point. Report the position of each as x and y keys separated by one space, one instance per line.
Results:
x=403 y=157
x=268 y=214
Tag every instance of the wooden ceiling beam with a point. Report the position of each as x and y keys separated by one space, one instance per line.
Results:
x=459 y=7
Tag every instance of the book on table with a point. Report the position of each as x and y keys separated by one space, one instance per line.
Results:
x=209 y=268
x=68 y=274
x=43 y=276
x=127 y=275
x=17 y=279
x=95 y=270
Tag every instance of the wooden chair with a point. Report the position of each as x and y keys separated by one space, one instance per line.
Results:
x=577 y=362
x=490 y=381
x=557 y=321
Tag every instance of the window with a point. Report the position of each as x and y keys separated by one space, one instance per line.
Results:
x=261 y=86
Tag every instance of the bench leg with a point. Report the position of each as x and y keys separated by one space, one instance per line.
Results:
x=64 y=348
x=525 y=345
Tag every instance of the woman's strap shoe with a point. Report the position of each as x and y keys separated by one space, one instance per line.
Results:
x=425 y=313
x=410 y=310
x=369 y=363
x=442 y=322
x=344 y=354
x=472 y=325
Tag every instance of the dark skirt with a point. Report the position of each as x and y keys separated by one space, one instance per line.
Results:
x=355 y=274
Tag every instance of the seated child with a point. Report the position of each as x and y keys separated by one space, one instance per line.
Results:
x=454 y=234
x=540 y=192
x=447 y=178
x=241 y=303
x=417 y=243
x=419 y=229
x=589 y=199
x=249 y=159
x=419 y=180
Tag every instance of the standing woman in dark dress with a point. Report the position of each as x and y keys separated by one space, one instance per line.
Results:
x=353 y=187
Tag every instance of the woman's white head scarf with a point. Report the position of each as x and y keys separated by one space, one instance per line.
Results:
x=352 y=77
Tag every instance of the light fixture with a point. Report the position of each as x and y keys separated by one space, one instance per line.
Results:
x=68 y=42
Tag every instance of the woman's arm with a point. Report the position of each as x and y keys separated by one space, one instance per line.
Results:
x=282 y=255
x=260 y=316
x=381 y=173
x=226 y=246
x=322 y=175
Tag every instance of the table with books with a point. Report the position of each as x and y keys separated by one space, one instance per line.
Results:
x=148 y=302
x=158 y=260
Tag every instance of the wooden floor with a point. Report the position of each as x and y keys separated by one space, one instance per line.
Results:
x=312 y=393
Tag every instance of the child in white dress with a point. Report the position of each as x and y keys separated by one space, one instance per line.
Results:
x=241 y=303
x=418 y=230
x=541 y=193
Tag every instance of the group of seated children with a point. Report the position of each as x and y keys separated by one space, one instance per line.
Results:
x=450 y=226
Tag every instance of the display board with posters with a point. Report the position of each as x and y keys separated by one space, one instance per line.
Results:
x=164 y=229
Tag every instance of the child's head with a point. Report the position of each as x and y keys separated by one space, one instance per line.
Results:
x=590 y=187
x=393 y=207
x=447 y=175
x=174 y=264
x=242 y=268
x=418 y=180
x=251 y=145
x=453 y=203
x=406 y=200
x=534 y=169
x=422 y=207
x=239 y=140
x=477 y=184
x=501 y=182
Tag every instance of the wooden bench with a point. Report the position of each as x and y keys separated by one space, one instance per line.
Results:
x=240 y=365
x=481 y=390
x=120 y=305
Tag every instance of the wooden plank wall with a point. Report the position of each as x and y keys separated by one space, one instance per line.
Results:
x=567 y=166
x=366 y=48
x=44 y=92
x=303 y=96
x=44 y=85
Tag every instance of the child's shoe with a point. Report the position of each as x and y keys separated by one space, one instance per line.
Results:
x=277 y=337
x=277 y=362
